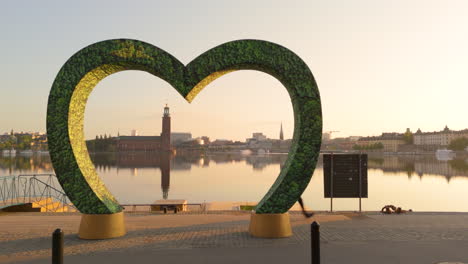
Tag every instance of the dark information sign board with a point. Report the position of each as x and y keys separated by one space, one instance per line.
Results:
x=345 y=175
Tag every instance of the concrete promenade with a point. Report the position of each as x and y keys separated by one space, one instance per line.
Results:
x=223 y=238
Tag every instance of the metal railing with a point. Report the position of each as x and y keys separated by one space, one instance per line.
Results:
x=150 y=207
x=40 y=189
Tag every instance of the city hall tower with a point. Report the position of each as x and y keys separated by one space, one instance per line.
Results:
x=166 y=130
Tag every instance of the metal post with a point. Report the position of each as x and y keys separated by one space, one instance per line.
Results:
x=360 y=181
x=331 y=183
x=57 y=247
x=315 y=242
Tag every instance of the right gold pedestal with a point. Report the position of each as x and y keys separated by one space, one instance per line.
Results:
x=270 y=225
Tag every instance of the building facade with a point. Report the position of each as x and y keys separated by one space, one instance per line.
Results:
x=177 y=138
x=390 y=141
x=149 y=143
x=441 y=138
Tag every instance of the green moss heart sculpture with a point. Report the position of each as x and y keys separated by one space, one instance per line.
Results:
x=80 y=74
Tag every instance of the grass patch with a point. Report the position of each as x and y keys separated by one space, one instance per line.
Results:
x=247 y=207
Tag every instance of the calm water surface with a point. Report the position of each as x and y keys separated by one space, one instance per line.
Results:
x=421 y=183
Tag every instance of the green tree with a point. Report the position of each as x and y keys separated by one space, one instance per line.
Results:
x=23 y=142
x=408 y=137
x=459 y=165
x=374 y=146
x=378 y=145
x=7 y=145
x=458 y=144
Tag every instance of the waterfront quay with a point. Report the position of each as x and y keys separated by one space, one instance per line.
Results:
x=222 y=237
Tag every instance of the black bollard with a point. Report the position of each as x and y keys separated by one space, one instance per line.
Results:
x=165 y=210
x=315 y=242
x=57 y=247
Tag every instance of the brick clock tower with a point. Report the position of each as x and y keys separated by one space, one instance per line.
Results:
x=166 y=130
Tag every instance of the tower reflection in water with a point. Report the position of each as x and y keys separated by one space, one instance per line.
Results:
x=165 y=162
x=138 y=160
x=165 y=167
x=420 y=166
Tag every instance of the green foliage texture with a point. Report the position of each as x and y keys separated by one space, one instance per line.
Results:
x=375 y=146
x=258 y=55
x=408 y=137
x=458 y=144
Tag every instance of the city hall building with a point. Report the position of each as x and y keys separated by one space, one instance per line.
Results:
x=160 y=143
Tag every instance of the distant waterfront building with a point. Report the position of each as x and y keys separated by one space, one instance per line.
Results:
x=353 y=138
x=339 y=143
x=139 y=143
x=177 y=137
x=259 y=141
x=39 y=142
x=148 y=143
x=34 y=141
x=326 y=136
x=390 y=141
x=219 y=142
x=206 y=140
x=134 y=133
x=441 y=138
x=259 y=137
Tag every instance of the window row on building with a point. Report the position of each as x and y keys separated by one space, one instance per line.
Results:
x=441 y=138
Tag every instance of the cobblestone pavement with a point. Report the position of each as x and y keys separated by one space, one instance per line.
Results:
x=409 y=227
x=370 y=238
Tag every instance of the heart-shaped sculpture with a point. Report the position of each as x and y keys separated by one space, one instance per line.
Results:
x=80 y=74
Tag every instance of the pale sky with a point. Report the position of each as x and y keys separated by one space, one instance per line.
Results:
x=381 y=66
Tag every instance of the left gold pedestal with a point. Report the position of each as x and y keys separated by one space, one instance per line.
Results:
x=102 y=226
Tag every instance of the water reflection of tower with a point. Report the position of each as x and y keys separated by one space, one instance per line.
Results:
x=165 y=166
x=281 y=132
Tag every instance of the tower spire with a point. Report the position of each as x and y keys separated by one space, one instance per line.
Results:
x=166 y=110
x=281 y=132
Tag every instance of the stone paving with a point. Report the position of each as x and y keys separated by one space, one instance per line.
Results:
x=426 y=232
x=408 y=227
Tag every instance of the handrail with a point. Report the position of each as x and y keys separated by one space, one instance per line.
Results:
x=48 y=185
x=34 y=175
x=7 y=177
x=59 y=195
x=29 y=188
x=160 y=204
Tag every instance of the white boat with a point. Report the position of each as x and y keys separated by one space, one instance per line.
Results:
x=445 y=154
x=263 y=151
x=43 y=152
x=9 y=152
x=27 y=152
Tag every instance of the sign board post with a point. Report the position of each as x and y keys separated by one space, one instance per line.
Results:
x=345 y=176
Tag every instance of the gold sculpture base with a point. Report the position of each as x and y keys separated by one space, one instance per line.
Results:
x=270 y=225
x=102 y=226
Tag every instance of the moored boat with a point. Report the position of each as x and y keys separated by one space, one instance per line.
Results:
x=445 y=154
